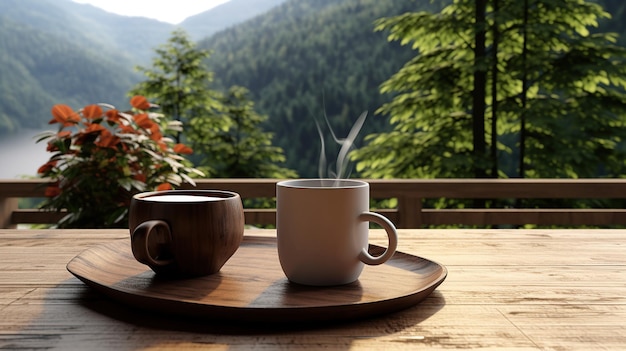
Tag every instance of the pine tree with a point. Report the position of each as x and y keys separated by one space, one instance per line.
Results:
x=223 y=129
x=243 y=149
x=179 y=82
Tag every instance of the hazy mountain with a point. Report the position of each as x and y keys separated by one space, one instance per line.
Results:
x=135 y=37
x=304 y=59
x=126 y=38
x=59 y=51
x=226 y=15
x=41 y=67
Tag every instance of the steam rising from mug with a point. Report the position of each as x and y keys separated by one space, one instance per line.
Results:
x=342 y=169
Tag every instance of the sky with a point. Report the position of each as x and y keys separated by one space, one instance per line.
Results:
x=171 y=11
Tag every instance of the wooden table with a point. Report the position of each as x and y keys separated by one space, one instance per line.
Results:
x=507 y=289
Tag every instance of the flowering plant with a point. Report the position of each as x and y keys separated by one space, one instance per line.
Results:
x=102 y=156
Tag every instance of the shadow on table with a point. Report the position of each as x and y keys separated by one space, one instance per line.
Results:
x=87 y=315
x=142 y=318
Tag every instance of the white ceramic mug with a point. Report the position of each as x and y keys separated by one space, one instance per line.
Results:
x=322 y=230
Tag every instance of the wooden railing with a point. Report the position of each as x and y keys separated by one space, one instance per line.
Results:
x=410 y=193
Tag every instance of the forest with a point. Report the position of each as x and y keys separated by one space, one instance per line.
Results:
x=307 y=60
x=300 y=61
x=330 y=62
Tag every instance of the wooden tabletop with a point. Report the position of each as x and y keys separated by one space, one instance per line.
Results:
x=506 y=289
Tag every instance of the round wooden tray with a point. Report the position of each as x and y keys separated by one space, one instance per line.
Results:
x=252 y=287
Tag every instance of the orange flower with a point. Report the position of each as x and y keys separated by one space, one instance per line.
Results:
x=155 y=129
x=107 y=139
x=52 y=147
x=182 y=149
x=164 y=186
x=113 y=115
x=64 y=134
x=143 y=120
x=155 y=133
x=94 y=128
x=139 y=102
x=64 y=115
x=92 y=112
x=53 y=190
x=127 y=129
x=47 y=167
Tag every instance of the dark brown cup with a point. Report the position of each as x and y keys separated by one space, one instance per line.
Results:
x=186 y=233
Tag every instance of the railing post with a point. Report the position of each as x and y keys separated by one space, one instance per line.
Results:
x=409 y=212
x=7 y=206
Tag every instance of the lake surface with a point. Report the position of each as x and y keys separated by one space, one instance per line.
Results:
x=20 y=155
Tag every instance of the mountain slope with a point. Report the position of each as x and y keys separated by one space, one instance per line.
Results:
x=88 y=26
x=134 y=37
x=303 y=59
x=62 y=52
x=40 y=69
x=225 y=15
x=58 y=51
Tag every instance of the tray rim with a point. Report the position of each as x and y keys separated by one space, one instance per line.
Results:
x=274 y=314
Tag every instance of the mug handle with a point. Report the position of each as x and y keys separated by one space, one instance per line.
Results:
x=392 y=234
x=141 y=238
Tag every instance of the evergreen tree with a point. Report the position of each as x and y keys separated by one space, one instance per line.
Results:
x=243 y=150
x=224 y=130
x=179 y=82
x=528 y=71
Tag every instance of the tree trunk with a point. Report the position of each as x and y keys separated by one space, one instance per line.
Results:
x=522 y=141
x=480 y=81
x=494 y=90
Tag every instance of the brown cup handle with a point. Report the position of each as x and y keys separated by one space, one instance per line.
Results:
x=141 y=238
x=392 y=235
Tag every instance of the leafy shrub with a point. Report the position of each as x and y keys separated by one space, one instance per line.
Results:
x=102 y=156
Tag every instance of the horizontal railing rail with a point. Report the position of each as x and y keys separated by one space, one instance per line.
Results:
x=410 y=194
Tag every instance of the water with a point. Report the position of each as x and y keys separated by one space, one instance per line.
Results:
x=20 y=155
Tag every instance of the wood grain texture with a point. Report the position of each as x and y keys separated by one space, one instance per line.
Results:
x=506 y=289
x=196 y=238
x=252 y=287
